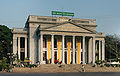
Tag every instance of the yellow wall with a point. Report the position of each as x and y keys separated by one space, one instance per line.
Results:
x=69 y=47
x=78 y=50
x=49 y=48
x=59 y=48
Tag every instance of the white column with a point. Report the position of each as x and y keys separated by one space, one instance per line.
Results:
x=63 y=61
x=41 y=49
x=99 y=50
x=52 y=50
x=103 y=49
x=93 y=60
x=14 y=45
x=83 y=49
x=90 y=51
x=18 y=47
x=73 y=49
x=25 y=47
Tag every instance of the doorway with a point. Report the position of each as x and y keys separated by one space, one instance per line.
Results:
x=45 y=57
x=65 y=55
x=55 y=56
x=22 y=56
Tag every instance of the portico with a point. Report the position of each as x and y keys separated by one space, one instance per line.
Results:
x=78 y=49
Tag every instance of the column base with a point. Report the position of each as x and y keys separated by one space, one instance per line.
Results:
x=52 y=63
x=73 y=63
x=41 y=62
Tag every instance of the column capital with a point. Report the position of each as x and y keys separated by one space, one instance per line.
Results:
x=18 y=37
x=25 y=37
x=63 y=35
x=83 y=36
x=41 y=34
x=93 y=37
x=103 y=41
x=73 y=35
x=14 y=38
x=52 y=34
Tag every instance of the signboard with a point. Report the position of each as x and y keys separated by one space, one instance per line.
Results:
x=62 y=13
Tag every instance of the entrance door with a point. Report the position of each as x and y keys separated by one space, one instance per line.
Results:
x=65 y=56
x=22 y=56
x=55 y=56
x=45 y=57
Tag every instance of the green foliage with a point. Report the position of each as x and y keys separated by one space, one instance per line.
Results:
x=13 y=58
x=118 y=59
x=26 y=58
x=4 y=60
x=18 y=61
x=5 y=40
x=112 y=46
x=104 y=61
x=98 y=62
x=33 y=65
x=101 y=65
x=4 y=65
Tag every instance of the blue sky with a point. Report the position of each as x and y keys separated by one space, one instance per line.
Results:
x=13 y=13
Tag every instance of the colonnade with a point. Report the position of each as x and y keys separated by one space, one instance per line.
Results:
x=84 y=54
x=90 y=52
x=17 y=49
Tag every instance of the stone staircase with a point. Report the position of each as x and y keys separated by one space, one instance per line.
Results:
x=51 y=68
x=89 y=68
x=45 y=68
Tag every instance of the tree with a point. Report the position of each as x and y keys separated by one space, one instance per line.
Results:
x=112 y=46
x=5 y=40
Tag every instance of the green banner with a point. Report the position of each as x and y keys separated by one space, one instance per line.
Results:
x=62 y=13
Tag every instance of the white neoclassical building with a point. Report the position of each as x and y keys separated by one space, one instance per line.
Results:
x=71 y=40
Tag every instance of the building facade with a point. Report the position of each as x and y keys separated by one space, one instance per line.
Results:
x=70 y=40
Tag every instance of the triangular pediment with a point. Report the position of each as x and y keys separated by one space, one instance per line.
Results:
x=68 y=27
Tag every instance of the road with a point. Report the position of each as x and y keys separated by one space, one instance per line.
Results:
x=61 y=74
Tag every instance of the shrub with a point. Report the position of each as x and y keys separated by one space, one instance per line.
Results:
x=98 y=62
x=4 y=65
x=101 y=65
x=94 y=65
x=32 y=65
